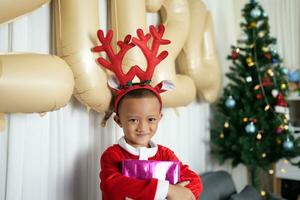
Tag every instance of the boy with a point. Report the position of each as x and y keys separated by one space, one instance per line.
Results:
x=138 y=112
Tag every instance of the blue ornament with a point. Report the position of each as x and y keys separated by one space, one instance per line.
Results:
x=288 y=144
x=274 y=60
x=250 y=128
x=284 y=70
x=294 y=76
x=230 y=102
x=255 y=13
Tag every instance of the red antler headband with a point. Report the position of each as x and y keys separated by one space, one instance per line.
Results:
x=115 y=65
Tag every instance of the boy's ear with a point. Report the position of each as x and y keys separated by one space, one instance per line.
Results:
x=117 y=120
x=160 y=115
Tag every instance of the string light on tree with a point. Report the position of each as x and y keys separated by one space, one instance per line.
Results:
x=274 y=93
x=249 y=79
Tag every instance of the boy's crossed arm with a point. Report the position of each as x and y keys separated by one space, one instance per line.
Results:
x=117 y=186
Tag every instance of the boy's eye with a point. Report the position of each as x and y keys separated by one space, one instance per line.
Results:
x=133 y=120
x=152 y=119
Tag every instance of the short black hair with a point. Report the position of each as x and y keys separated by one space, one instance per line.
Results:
x=138 y=93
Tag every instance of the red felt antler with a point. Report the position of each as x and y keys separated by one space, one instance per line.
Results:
x=115 y=64
x=150 y=53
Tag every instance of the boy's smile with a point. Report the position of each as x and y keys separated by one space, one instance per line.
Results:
x=139 y=117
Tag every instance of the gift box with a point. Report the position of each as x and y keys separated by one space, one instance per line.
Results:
x=147 y=169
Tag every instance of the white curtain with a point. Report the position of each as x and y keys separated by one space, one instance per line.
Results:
x=56 y=156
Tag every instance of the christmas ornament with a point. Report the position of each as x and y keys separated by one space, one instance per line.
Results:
x=279 y=130
x=245 y=119
x=250 y=62
x=234 y=55
x=253 y=1
x=281 y=104
x=284 y=70
x=263 y=155
x=281 y=100
x=250 y=128
x=249 y=79
x=288 y=144
x=230 y=102
x=274 y=93
x=267 y=81
x=274 y=60
x=259 y=96
x=255 y=13
x=268 y=55
x=252 y=25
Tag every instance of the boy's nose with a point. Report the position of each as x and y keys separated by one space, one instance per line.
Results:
x=142 y=126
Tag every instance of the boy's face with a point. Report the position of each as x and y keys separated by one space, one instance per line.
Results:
x=139 y=117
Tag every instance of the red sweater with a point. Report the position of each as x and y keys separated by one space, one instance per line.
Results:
x=115 y=186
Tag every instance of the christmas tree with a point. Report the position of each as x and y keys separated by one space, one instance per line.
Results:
x=251 y=121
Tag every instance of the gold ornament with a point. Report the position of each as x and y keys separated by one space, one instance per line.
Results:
x=252 y=25
x=249 y=61
x=271 y=171
x=263 y=155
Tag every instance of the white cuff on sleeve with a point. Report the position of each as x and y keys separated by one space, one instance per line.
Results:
x=161 y=190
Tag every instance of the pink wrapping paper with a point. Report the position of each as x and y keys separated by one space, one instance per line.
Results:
x=147 y=169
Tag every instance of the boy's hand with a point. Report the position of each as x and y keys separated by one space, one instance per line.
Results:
x=179 y=192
